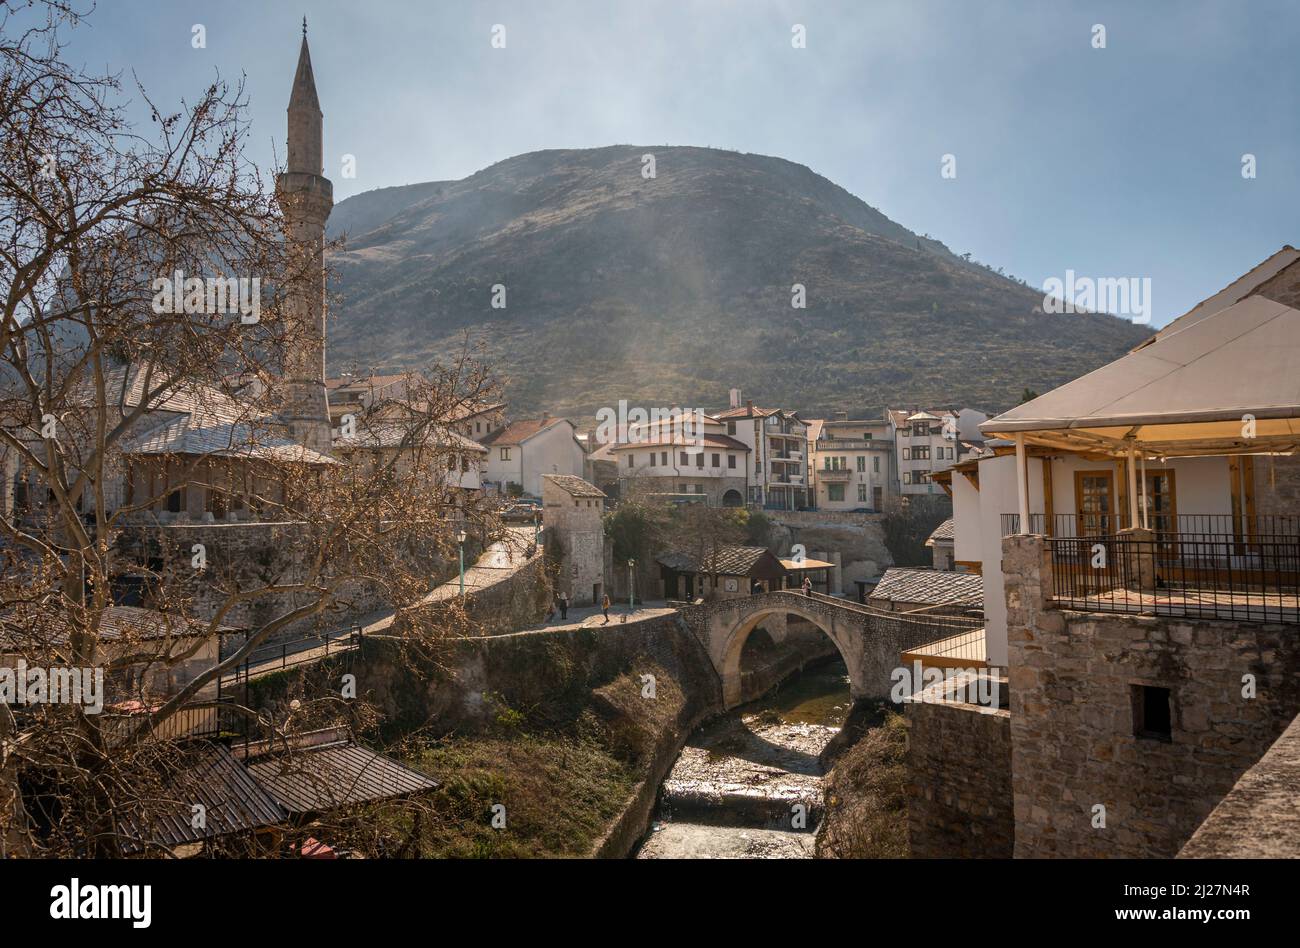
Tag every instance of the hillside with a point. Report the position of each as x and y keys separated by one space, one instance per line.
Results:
x=672 y=290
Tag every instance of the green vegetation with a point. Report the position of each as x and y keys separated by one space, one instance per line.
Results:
x=564 y=770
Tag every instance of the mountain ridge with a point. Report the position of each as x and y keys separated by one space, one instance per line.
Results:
x=672 y=290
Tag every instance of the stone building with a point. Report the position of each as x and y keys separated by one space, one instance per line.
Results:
x=1137 y=531
x=575 y=529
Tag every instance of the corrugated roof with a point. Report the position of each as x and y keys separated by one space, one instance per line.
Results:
x=730 y=561
x=114 y=623
x=210 y=776
x=226 y=440
x=929 y=587
x=318 y=779
x=392 y=435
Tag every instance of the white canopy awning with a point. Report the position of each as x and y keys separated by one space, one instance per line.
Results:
x=1228 y=383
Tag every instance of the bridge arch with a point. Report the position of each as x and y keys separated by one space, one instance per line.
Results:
x=735 y=619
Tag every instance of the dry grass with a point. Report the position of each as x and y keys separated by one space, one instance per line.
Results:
x=866 y=796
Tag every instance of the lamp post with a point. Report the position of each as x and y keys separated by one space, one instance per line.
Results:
x=631 y=589
x=460 y=541
x=537 y=527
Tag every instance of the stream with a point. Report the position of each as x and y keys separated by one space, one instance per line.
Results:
x=748 y=784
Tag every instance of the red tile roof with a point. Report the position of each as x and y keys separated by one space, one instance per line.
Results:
x=518 y=432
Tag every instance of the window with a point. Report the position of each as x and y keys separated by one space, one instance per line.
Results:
x=862 y=493
x=505 y=455
x=652 y=459
x=907 y=454
x=834 y=491
x=731 y=461
x=631 y=459
x=699 y=460
x=1151 y=716
x=866 y=436
x=1093 y=491
x=478 y=426
x=717 y=460
x=663 y=458
x=731 y=428
x=862 y=464
x=921 y=453
x=875 y=465
x=681 y=459
x=907 y=477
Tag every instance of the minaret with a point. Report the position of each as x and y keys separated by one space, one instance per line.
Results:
x=305 y=197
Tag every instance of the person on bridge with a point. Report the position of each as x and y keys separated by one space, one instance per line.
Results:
x=807 y=586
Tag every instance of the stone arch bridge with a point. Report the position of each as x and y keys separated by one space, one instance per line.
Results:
x=869 y=640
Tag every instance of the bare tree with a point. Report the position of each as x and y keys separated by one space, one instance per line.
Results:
x=138 y=427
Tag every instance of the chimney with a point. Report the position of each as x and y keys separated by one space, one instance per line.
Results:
x=734 y=400
x=841 y=416
x=749 y=403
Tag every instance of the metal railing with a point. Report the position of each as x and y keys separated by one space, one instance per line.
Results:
x=1205 y=575
x=299 y=651
x=1237 y=527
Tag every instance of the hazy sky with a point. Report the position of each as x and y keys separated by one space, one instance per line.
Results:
x=1116 y=162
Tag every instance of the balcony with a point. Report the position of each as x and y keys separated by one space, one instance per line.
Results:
x=1250 y=576
x=833 y=475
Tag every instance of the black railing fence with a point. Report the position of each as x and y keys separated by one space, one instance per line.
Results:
x=1236 y=527
x=287 y=654
x=1205 y=575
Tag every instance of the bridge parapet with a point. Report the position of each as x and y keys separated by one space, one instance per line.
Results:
x=871 y=641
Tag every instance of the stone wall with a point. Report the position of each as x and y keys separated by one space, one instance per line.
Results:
x=858 y=538
x=520 y=598
x=249 y=556
x=575 y=534
x=1073 y=680
x=1259 y=819
x=1277 y=485
x=959 y=778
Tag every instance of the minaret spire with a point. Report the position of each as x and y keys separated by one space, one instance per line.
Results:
x=306 y=197
x=305 y=118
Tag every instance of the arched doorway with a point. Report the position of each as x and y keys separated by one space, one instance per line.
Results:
x=732 y=498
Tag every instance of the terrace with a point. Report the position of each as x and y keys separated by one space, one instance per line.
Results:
x=1246 y=575
x=1176 y=418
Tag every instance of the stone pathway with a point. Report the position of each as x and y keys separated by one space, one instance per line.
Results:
x=497 y=561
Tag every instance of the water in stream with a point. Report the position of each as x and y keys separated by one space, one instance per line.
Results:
x=735 y=789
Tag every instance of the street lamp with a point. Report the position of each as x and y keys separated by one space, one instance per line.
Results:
x=460 y=540
x=631 y=588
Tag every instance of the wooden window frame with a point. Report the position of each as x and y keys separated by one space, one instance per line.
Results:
x=1079 y=513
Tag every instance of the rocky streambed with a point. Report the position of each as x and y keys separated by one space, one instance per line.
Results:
x=749 y=784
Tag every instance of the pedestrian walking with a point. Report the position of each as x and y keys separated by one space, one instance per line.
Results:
x=604 y=607
x=564 y=606
x=807 y=586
